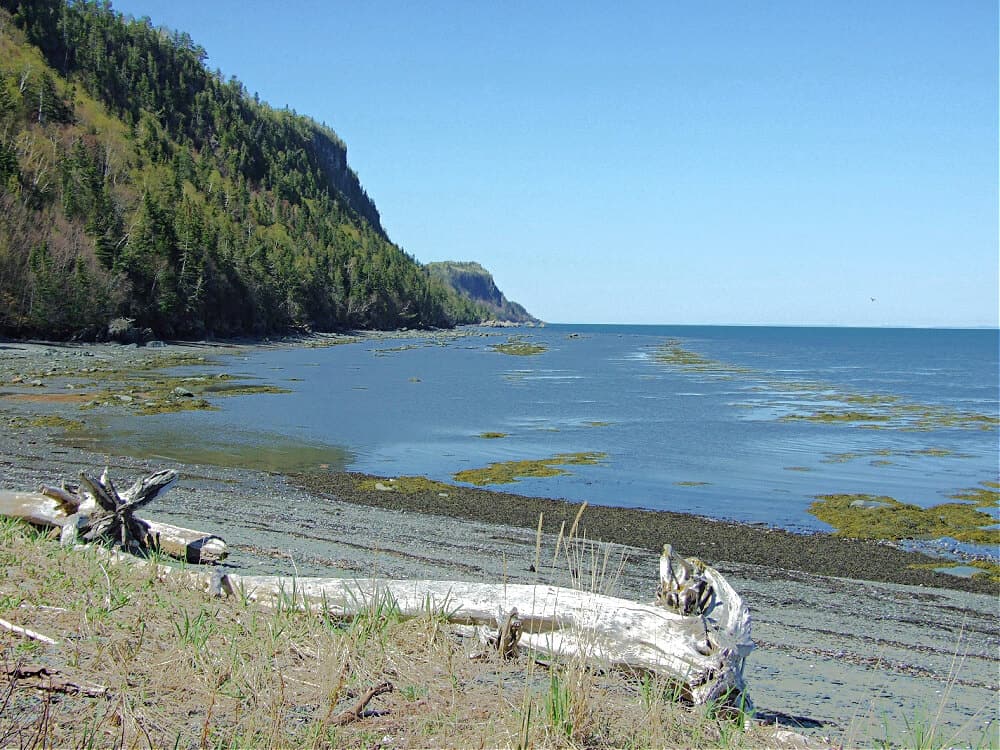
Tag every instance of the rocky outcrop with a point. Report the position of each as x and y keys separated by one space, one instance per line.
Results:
x=473 y=281
x=331 y=154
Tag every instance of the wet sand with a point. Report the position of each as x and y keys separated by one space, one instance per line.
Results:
x=849 y=638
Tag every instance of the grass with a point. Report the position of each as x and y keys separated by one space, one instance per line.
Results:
x=185 y=670
x=924 y=729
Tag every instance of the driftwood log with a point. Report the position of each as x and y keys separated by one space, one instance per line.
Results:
x=696 y=633
x=94 y=509
x=701 y=649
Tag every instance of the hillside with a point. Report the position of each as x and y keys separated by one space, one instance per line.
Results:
x=476 y=284
x=135 y=183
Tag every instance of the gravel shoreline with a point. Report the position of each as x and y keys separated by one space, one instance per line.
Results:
x=848 y=635
x=712 y=540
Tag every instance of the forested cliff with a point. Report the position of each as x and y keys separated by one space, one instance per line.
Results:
x=475 y=283
x=136 y=183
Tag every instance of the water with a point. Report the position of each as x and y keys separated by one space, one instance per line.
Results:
x=708 y=436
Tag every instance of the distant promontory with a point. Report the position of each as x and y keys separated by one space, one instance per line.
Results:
x=476 y=284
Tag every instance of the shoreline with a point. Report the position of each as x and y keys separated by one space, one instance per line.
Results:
x=715 y=540
x=836 y=655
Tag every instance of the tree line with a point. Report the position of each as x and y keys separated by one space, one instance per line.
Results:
x=135 y=182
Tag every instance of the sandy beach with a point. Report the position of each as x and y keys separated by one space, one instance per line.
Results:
x=849 y=637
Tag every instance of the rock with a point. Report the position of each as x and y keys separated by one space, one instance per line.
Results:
x=178 y=391
x=868 y=504
x=90 y=333
x=123 y=331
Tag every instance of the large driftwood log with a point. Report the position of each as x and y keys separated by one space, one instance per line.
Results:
x=702 y=650
x=697 y=633
x=94 y=509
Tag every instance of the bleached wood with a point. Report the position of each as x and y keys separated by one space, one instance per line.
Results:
x=703 y=653
x=176 y=541
x=560 y=622
x=33 y=635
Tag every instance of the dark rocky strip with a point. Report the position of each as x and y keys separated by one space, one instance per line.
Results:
x=712 y=540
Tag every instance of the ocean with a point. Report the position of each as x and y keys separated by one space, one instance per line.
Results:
x=742 y=423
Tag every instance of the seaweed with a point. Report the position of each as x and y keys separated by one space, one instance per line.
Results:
x=51 y=421
x=505 y=472
x=880 y=517
x=407 y=485
x=824 y=403
x=519 y=347
x=987 y=568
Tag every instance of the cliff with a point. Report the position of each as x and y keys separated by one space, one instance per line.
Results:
x=137 y=184
x=476 y=284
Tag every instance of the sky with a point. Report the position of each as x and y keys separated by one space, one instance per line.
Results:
x=738 y=162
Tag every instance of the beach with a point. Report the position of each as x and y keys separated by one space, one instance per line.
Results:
x=849 y=636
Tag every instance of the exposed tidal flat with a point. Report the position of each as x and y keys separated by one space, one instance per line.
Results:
x=850 y=632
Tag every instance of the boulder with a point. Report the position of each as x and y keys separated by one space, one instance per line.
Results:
x=124 y=331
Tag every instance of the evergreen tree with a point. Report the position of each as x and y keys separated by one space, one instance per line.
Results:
x=133 y=177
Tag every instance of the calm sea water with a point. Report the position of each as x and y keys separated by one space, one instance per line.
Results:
x=707 y=436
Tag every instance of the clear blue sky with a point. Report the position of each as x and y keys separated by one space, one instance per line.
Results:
x=658 y=162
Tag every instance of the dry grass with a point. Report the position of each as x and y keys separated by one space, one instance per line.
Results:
x=183 y=669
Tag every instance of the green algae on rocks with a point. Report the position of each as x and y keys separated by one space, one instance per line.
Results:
x=892 y=414
x=987 y=569
x=492 y=435
x=984 y=496
x=255 y=451
x=408 y=485
x=824 y=403
x=50 y=421
x=886 y=453
x=829 y=417
x=673 y=354
x=519 y=347
x=880 y=517
x=505 y=472
x=142 y=389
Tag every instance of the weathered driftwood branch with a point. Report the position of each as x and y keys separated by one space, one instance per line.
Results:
x=504 y=642
x=43 y=678
x=95 y=509
x=358 y=710
x=113 y=516
x=35 y=636
x=703 y=651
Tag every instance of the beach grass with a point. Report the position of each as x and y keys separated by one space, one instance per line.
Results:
x=139 y=658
